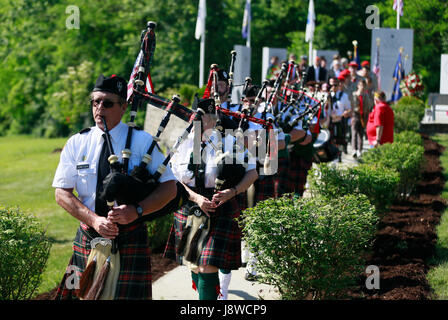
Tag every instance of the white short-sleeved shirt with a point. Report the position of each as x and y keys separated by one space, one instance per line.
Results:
x=181 y=160
x=79 y=159
x=341 y=104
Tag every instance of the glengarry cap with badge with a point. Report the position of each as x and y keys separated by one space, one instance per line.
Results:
x=223 y=75
x=113 y=84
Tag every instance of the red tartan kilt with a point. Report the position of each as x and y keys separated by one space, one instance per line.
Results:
x=134 y=280
x=298 y=173
x=265 y=188
x=223 y=245
x=283 y=183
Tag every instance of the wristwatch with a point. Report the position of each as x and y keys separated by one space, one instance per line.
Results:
x=139 y=210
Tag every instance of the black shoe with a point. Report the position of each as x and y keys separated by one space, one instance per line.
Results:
x=355 y=155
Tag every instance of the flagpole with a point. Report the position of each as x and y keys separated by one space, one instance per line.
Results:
x=248 y=34
x=310 y=53
x=201 y=63
x=398 y=18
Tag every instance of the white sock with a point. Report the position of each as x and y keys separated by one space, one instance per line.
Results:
x=224 y=281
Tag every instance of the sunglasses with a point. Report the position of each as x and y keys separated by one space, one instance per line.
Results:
x=106 y=103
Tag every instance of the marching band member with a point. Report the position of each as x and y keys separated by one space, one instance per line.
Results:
x=83 y=166
x=220 y=245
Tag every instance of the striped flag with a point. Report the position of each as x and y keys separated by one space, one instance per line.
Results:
x=246 y=20
x=376 y=67
x=149 y=86
x=398 y=75
x=200 y=23
x=310 y=23
x=398 y=6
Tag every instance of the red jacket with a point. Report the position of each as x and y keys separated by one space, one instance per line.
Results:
x=381 y=115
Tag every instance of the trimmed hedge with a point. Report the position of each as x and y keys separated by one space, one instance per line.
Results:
x=24 y=251
x=311 y=248
x=408 y=112
x=408 y=137
x=379 y=184
x=405 y=158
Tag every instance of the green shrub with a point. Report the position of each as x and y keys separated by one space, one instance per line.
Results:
x=408 y=113
x=185 y=91
x=158 y=231
x=405 y=158
x=410 y=137
x=24 y=251
x=311 y=248
x=379 y=184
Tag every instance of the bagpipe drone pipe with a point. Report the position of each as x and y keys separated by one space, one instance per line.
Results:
x=121 y=187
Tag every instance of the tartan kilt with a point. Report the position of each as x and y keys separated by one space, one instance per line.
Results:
x=337 y=132
x=265 y=187
x=223 y=244
x=134 y=280
x=298 y=173
x=283 y=183
x=242 y=200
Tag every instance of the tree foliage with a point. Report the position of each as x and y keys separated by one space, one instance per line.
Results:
x=40 y=57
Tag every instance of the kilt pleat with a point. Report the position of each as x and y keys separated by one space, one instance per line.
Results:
x=298 y=173
x=265 y=188
x=283 y=183
x=134 y=280
x=222 y=247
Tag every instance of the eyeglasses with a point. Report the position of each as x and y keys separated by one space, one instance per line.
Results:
x=106 y=103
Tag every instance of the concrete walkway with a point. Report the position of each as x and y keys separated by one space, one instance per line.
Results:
x=176 y=284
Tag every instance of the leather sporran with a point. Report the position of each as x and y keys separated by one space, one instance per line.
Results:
x=194 y=236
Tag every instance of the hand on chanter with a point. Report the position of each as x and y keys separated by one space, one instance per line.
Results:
x=223 y=196
x=123 y=214
x=105 y=228
x=206 y=205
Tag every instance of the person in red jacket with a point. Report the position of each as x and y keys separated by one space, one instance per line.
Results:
x=380 y=127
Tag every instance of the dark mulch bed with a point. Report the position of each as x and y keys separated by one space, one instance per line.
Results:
x=406 y=237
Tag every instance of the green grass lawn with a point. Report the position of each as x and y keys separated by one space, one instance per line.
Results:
x=438 y=275
x=27 y=167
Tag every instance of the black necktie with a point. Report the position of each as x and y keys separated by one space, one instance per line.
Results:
x=103 y=170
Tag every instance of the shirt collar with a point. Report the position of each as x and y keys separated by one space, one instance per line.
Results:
x=117 y=132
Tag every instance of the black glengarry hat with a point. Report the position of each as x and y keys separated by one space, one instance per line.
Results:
x=223 y=75
x=252 y=91
x=208 y=105
x=113 y=84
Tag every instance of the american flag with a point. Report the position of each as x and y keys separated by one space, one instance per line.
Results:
x=376 y=67
x=398 y=5
x=149 y=87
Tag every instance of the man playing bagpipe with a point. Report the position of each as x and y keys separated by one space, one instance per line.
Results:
x=223 y=89
x=83 y=166
x=301 y=154
x=205 y=234
x=289 y=162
